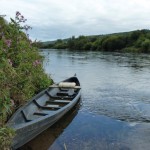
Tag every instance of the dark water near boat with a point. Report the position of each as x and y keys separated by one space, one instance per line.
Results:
x=114 y=111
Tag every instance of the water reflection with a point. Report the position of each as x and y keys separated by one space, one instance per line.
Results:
x=88 y=131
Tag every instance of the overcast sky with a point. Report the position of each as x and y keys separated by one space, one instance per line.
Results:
x=58 y=19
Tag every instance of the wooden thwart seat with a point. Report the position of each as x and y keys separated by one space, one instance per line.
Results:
x=58 y=97
x=52 y=106
x=40 y=113
x=55 y=103
x=62 y=94
x=49 y=107
x=62 y=101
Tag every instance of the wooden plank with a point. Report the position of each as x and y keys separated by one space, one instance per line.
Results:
x=52 y=106
x=62 y=101
x=57 y=102
x=56 y=86
x=40 y=114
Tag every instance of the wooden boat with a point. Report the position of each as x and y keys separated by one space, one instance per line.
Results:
x=53 y=132
x=43 y=110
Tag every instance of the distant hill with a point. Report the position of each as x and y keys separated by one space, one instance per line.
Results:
x=132 y=41
x=48 y=42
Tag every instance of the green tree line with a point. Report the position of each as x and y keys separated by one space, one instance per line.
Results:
x=134 y=41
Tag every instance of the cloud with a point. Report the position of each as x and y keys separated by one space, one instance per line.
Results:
x=53 y=19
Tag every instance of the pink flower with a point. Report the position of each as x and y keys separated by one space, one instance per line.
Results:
x=22 y=17
x=26 y=27
x=18 y=13
x=36 y=63
x=19 y=17
x=8 y=43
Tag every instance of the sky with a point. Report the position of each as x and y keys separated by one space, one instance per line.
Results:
x=59 y=19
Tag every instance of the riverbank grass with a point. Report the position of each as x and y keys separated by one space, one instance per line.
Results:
x=21 y=72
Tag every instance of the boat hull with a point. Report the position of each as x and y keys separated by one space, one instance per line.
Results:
x=27 y=131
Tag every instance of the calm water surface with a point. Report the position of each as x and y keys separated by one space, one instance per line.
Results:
x=114 y=110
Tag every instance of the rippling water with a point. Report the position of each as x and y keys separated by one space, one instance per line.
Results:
x=115 y=111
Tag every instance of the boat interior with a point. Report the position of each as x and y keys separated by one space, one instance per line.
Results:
x=47 y=103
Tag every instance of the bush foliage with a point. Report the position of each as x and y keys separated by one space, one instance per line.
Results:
x=21 y=72
x=6 y=135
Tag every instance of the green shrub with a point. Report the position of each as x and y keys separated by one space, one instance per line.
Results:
x=6 y=136
x=21 y=70
x=131 y=50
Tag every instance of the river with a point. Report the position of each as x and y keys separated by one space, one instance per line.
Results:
x=114 y=110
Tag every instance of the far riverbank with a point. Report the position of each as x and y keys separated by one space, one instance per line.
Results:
x=134 y=41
